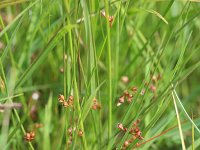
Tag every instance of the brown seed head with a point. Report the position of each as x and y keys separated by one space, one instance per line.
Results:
x=134 y=89
x=137 y=144
x=29 y=136
x=65 y=104
x=126 y=143
x=71 y=97
x=138 y=121
x=61 y=98
x=32 y=134
x=126 y=94
x=120 y=126
x=153 y=88
x=121 y=99
x=70 y=131
x=125 y=129
x=80 y=133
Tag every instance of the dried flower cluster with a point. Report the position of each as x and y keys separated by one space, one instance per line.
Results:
x=134 y=131
x=110 y=18
x=29 y=136
x=127 y=96
x=70 y=133
x=96 y=105
x=66 y=103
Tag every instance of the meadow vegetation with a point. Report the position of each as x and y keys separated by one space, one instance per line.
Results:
x=99 y=74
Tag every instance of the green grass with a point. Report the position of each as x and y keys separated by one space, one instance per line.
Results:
x=49 y=47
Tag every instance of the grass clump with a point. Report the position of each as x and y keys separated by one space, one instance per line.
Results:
x=99 y=74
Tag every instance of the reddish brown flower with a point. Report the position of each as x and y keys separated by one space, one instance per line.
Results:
x=65 y=104
x=80 y=133
x=153 y=88
x=120 y=126
x=96 y=105
x=134 y=89
x=61 y=98
x=29 y=136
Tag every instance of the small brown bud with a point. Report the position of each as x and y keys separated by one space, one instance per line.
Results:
x=137 y=144
x=153 y=88
x=120 y=126
x=125 y=79
x=126 y=94
x=134 y=89
x=70 y=131
x=121 y=99
x=61 y=98
x=80 y=133
x=65 y=104
x=126 y=143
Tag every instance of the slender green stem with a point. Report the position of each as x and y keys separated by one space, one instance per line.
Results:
x=109 y=71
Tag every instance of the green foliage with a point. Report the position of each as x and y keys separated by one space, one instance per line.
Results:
x=88 y=50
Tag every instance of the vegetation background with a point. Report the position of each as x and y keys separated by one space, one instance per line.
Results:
x=99 y=49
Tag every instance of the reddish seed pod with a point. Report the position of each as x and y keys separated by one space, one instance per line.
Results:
x=32 y=134
x=125 y=129
x=111 y=18
x=71 y=97
x=120 y=126
x=121 y=99
x=130 y=97
x=98 y=106
x=126 y=143
x=137 y=144
x=140 y=137
x=126 y=94
x=131 y=131
x=138 y=121
x=29 y=136
x=61 y=98
x=80 y=133
x=137 y=130
x=70 y=131
x=65 y=104
x=134 y=89
x=153 y=88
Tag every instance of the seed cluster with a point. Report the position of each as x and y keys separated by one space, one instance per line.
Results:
x=134 y=131
x=96 y=105
x=29 y=136
x=66 y=103
x=127 y=96
x=70 y=133
x=109 y=18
